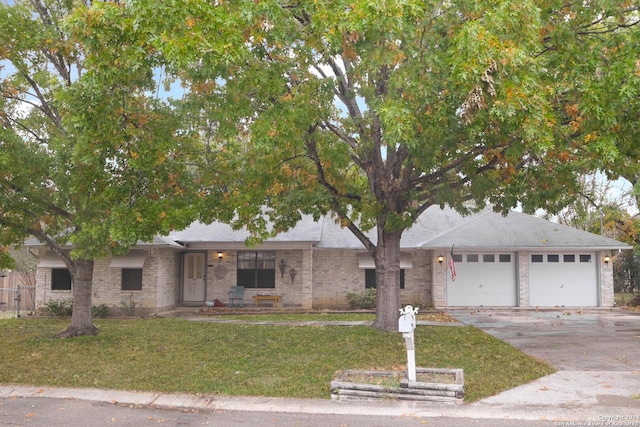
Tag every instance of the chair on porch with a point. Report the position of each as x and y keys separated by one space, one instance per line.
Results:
x=236 y=294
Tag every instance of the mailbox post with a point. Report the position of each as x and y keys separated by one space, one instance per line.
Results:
x=406 y=325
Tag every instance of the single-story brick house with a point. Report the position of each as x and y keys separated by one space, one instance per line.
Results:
x=516 y=260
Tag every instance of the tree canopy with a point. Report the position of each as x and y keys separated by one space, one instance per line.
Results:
x=375 y=110
x=89 y=157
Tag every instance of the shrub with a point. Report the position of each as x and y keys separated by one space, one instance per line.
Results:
x=100 y=311
x=364 y=300
x=129 y=307
x=634 y=302
x=62 y=307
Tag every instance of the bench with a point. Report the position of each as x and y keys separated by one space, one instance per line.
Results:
x=274 y=298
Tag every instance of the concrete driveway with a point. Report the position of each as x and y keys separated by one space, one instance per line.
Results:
x=597 y=353
x=570 y=340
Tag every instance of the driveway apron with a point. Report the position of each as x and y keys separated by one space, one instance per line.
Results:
x=570 y=340
x=595 y=352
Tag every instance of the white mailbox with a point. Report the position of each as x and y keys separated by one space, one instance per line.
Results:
x=405 y=325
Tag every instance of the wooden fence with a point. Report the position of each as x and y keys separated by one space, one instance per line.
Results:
x=17 y=293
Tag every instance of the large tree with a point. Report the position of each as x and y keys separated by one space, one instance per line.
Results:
x=373 y=111
x=89 y=157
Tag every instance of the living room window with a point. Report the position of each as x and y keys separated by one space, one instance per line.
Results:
x=131 y=279
x=370 y=278
x=60 y=279
x=257 y=269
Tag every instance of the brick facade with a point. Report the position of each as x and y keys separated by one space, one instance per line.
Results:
x=323 y=278
x=337 y=271
x=160 y=279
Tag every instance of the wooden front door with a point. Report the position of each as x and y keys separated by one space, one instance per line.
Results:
x=193 y=283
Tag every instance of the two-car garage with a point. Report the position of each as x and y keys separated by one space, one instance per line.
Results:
x=554 y=280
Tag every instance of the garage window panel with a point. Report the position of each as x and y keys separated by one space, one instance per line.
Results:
x=472 y=257
x=537 y=258
x=585 y=258
x=569 y=258
x=488 y=258
x=553 y=258
x=457 y=257
x=504 y=258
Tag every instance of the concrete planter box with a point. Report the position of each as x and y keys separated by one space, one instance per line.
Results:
x=448 y=386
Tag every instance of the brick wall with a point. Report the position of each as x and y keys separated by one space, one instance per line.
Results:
x=221 y=275
x=336 y=272
x=523 y=278
x=606 y=280
x=160 y=278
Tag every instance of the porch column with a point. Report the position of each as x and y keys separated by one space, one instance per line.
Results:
x=307 y=279
x=522 y=264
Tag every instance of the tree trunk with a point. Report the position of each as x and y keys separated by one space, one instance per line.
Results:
x=387 y=260
x=81 y=323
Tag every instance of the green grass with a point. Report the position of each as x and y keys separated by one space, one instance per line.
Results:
x=175 y=355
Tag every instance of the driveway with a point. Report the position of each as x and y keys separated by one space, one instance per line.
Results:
x=595 y=351
x=570 y=340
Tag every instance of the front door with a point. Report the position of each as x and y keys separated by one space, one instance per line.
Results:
x=193 y=284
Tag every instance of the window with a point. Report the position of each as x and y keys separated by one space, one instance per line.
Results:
x=472 y=257
x=457 y=257
x=569 y=258
x=585 y=258
x=488 y=258
x=257 y=269
x=370 y=278
x=60 y=279
x=505 y=257
x=536 y=258
x=553 y=258
x=131 y=279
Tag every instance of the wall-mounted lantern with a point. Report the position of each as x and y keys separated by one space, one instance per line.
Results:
x=607 y=258
x=292 y=273
x=283 y=266
x=440 y=259
x=219 y=256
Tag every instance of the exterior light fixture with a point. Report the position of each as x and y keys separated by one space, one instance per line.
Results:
x=440 y=259
x=283 y=266
x=292 y=273
x=219 y=256
x=607 y=258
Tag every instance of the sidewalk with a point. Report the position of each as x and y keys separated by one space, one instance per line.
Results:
x=550 y=398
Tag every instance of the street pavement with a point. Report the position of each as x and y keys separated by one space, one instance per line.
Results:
x=598 y=384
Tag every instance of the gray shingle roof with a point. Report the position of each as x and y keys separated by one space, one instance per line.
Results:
x=217 y=232
x=518 y=230
x=436 y=228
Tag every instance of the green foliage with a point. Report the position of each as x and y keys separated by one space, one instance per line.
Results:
x=635 y=301
x=89 y=153
x=129 y=307
x=99 y=311
x=312 y=108
x=365 y=300
x=62 y=307
x=247 y=360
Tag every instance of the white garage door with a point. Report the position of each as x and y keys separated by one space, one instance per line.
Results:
x=563 y=280
x=483 y=279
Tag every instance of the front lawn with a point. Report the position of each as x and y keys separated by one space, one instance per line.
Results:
x=175 y=355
